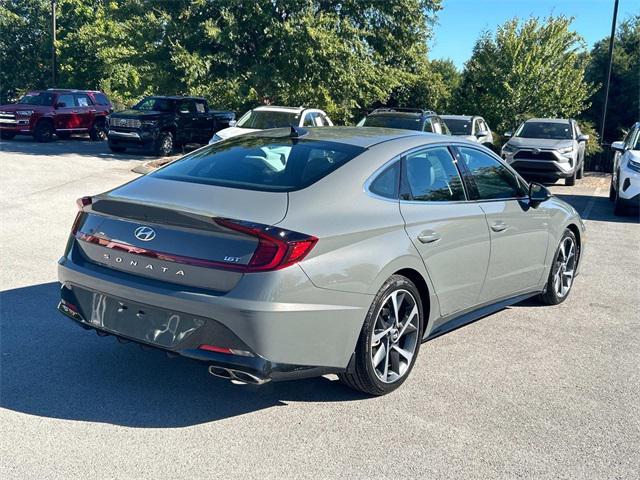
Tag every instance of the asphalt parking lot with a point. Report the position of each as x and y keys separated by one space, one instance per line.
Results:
x=529 y=392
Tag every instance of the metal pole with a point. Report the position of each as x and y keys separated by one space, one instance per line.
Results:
x=54 y=60
x=606 y=85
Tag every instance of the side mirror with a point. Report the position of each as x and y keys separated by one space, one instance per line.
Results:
x=482 y=133
x=538 y=194
x=583 y=138
x=232 y=123
x=61 y=105
x=618 y=146
x=508 y=134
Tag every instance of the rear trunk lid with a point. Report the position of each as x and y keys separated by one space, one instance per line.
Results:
x=166 y=230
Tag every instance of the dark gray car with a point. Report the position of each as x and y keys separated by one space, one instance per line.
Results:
x=290 y=253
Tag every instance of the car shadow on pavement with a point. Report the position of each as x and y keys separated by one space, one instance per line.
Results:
x=80 y=145
x=599 y=209
x=52 y=368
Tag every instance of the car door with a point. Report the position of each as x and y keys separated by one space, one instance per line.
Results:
x=187 y=121
x=519 y=233
x=450 y=232
x=203 y=122
x=85 y=110
x=66 y=116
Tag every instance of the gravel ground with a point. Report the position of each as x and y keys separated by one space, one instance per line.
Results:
x=530 y=392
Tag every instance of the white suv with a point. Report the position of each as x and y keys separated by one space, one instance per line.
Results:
x=625 y=180
x=262 y=118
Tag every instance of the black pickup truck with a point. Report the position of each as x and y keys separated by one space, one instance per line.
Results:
x=160 y=124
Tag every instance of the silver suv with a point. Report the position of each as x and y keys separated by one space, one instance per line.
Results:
x=547 y=148
x=471 y=127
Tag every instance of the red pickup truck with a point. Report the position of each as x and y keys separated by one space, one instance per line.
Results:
x=46 y=113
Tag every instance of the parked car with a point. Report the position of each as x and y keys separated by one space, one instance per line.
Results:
x=242 y=255
x=59 y=112
x=470 y=127
x=272 y=116
x=547 y=148
x=406 y=119
x=159 y=124
x=625 y=180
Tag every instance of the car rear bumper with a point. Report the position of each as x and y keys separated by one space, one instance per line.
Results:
x=286 y=338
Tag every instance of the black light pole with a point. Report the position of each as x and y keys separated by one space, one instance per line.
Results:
x=606 y=85
x=54 y=60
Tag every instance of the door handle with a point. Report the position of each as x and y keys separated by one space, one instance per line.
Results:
x=428 y=236
x=74 y=111
x=499 y=227
x=92 y=111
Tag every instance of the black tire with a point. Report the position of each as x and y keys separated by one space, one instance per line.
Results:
x=164 y=144
x=619 y=207
x=116 y=148
x=571 y=181
x=98 y=131
x=580 y=173
x=363 y=376
x=43 y=132
x=7 y=135
x=551 y=296
x=63 y=135
x=612 y=191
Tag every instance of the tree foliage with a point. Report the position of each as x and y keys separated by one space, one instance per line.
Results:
x=624 y=94
x=526 y=69
x=340 y=55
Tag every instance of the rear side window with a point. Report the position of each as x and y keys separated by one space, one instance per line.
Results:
x=386 y=184
x=257 y=162
x=66 y=99
x=101 y=99
x=433 y=177
x=493 y=180
x=83 y=100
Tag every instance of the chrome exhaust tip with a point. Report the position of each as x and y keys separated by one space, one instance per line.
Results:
x=236 y=375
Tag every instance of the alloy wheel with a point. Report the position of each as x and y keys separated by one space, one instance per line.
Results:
x=395 y=336
x=167 y=145
x=565 y=267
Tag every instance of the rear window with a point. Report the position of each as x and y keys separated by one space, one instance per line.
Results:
x=274 y=164
x=388 y=121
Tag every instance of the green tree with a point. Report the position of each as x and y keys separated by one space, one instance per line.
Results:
x=25 y=46
x=340 y=55
x=525 y=69
x=624 y=94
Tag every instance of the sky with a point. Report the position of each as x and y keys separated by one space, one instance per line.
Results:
x=461 y=22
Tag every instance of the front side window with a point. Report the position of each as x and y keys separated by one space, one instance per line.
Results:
x=66 y=99
x=37 y=98
x=493 y=180
x=386 y=184
x=436 y=126
x=549 y=130
x=261 y=162
x=459 y=127
x=433 y=177
x=263 y=119
x=186 y=106
x=308 y=120
x=155 y=104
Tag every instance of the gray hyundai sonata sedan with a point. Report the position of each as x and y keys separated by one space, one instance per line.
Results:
x=291 y=253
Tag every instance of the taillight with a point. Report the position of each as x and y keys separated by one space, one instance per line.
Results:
x=277 y=248
x=81 y=202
